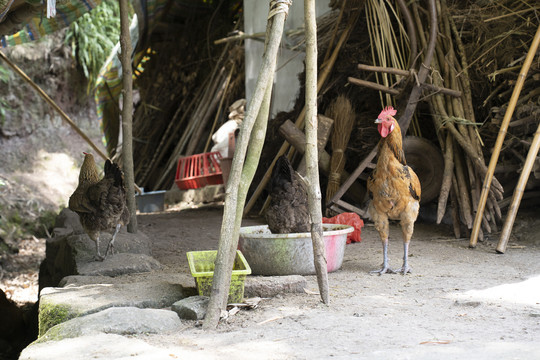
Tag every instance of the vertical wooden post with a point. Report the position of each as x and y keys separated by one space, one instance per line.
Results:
x=127 y=114
x=252 y=134
x=500 y=138
x=312 y=158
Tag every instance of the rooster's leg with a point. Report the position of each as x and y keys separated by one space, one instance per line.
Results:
x=407 y=229
x=385 y=268
x=110 y=247
x=405 y=268
x=98 y=256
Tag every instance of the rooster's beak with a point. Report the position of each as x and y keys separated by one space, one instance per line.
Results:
x=378 y=121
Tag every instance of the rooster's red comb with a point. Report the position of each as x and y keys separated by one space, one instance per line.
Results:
x=387 y=111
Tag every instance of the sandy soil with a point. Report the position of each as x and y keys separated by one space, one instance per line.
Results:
x=457 y=303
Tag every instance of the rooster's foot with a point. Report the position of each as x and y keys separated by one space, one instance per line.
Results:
x=405 y=269
x=384 y=270
x=99 y=257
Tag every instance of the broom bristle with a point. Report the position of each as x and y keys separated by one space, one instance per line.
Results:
x=342 y=112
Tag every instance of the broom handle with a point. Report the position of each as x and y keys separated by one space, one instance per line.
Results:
x=518 y=193
x=500 y=138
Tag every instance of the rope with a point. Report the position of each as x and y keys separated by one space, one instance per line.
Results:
x=279 y=6
x=334 y=177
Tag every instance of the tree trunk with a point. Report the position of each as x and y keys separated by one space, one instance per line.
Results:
x=127 y=114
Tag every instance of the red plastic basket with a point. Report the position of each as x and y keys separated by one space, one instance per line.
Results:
x=197 y=171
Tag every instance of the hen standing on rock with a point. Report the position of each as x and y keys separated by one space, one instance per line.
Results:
x=393 y=187
x=100 y=204
x=288 y=211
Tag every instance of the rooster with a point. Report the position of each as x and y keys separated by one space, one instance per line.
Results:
x=288 y=211
x=100 y=203
x=394 y=188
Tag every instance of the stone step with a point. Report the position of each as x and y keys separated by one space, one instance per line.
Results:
x=58 y=305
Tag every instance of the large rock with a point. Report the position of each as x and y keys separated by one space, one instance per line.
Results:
x=270 y=286
x=58 y=305
x=119 y=264
x=71 y=252
x=119 y=320
x=191 y=308
x=106 y=347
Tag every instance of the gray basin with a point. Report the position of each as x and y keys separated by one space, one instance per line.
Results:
x=290 y=254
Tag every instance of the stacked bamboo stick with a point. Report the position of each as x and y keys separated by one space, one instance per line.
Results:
x=181 y=127
x=457 y=132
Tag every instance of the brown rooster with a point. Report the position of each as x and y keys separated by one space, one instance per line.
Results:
x=393 y=187
x=288 y=211
x=100 y=203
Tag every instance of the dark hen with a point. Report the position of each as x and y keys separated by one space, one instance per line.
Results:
x=288 y=210
x=100 y=203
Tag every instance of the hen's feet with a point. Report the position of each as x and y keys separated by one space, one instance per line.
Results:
x=383 y=270
x=110 y=249
x=99 y=257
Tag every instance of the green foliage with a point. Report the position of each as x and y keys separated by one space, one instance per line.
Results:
x=4 y=78
x=92 y=38
x=4 y=74
x=21 y=226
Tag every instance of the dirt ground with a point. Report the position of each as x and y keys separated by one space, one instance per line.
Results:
x=457 y=303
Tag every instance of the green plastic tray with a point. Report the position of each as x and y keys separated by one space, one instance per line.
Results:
x=202 y=264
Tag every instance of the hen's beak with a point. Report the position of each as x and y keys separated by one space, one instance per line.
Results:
x=378 y=121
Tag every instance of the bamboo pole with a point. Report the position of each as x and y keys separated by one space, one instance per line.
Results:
x=518 y=193
x=465 y=201
x=406 y=14
x=373 y=86
x=425 y=65
x=447 y=177
x=51 y=102
x=312 y=158
x=127 y=114
x=241 y=174
x=218 y=112
x=501 y=136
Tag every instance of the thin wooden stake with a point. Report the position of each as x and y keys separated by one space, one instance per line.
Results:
x=501 y=136
x=312 y=159
x=127 y=114
x=518 y=193
x=242 y=171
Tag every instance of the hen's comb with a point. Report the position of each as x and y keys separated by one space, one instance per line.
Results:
x=387 y=111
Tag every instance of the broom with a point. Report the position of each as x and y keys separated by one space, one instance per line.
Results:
x=344 y=118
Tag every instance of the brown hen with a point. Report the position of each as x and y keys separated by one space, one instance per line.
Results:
x=100 y=203
x=394 y=188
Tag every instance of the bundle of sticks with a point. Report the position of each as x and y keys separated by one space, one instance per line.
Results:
x=458 y=135
x=449 y=96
